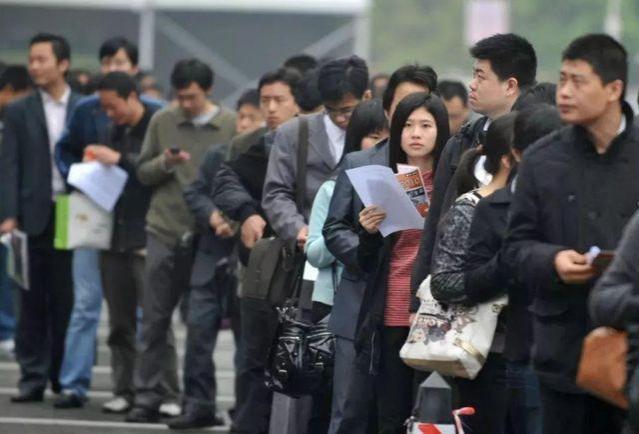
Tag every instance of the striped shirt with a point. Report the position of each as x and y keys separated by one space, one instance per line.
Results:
x=403 y=254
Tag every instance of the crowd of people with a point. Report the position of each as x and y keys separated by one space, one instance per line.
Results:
x=523 y=179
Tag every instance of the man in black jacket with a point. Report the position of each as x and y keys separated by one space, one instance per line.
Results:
x=504 y=65
x=576 y=189
x=29 y=184
x=238 y=193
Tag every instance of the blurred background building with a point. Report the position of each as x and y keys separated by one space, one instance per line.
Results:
x=243 y=38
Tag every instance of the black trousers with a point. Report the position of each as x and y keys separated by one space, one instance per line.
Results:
x=43 y=314
x=488 y=394
x=571 y=413
x=394 y=383
x=254 y=399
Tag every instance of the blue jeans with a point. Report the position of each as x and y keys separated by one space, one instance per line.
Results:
x=204 y=316
x=524 y=404
x=79 y=351
x=7 y=307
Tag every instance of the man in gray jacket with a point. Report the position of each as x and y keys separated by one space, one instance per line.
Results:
x=176 y=142
x=342 y=85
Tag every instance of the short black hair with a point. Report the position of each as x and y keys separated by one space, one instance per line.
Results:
x=302 y=63
x=371 y=85
x=60 y=46
x=607 y=57
x=73 y=78
x=288 y=76
x=367 y=118
x=339 y=77
x=189 y=71
x=16 y=76
x=308 y=97
x=119 y=82
x=420 y=75
x=540 y=93
x=435 y=106
x=533 y=123
x=510 y=55
x=250 y=96
x=449 y=89
x=115 y=44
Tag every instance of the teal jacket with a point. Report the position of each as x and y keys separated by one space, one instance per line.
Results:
x=316 y=252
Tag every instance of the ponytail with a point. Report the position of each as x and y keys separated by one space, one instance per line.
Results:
x=465 y=174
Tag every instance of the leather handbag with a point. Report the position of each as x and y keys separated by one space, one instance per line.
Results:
x=602 y=368
x=274 y=263
x=302 y=357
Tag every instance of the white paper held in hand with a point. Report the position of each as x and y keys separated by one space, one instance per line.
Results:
x=377 y=185
x=100 y=182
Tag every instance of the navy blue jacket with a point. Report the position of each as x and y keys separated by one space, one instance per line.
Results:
x=87 y=124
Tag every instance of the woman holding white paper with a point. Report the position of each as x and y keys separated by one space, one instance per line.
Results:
x=419 y=130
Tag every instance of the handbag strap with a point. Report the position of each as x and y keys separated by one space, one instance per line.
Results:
x=302 y=155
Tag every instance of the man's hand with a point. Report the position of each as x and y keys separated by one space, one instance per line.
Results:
x=8 y=225
x=371 y=217
x=174 y=159
x=573 y=267
x=252 y=230
x=103 y=154
x=302 y=236
x=220 y=225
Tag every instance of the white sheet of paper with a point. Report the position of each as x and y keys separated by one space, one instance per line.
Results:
x=377 y=185
x=102 y=183
x=310 y=272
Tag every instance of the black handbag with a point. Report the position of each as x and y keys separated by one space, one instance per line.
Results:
x=302 y=357
x=274 y=263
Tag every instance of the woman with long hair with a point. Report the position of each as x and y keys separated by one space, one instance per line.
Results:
x=487 y=392
x=419 y=130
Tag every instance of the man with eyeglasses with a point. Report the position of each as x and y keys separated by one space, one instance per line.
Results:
x=342 y=85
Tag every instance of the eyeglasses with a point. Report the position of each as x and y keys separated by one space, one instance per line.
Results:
x=337 y=112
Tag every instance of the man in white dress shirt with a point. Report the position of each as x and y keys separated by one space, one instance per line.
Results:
x=29 y=184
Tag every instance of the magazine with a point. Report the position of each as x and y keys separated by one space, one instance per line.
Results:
x=410 y=178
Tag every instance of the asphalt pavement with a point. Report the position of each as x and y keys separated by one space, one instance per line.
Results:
x=42 y=418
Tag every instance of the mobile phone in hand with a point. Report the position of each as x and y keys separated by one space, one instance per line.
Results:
x=600 y=259
x=603 y=259
x=174 y=150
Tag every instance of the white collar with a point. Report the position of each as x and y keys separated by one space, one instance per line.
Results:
x=622 y=125
x=64 y=100
x=335 y=133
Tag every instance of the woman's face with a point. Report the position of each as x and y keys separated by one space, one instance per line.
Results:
x=419 y=134
x=373 y=138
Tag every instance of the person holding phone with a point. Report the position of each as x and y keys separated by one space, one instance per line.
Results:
x=576 y=188
x=174 y=147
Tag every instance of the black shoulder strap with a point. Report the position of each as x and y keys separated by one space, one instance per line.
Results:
x=302 y=155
